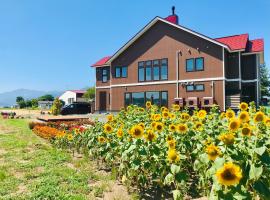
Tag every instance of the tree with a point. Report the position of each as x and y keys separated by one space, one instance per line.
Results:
x=28 y=103
x=90 y=93
x=34 y=103
x=18 y=99
x=47 y=97
x=264 y=80
x=21 y=104
x=56 y=107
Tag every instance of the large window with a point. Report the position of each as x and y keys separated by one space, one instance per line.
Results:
x=105 y=74
x=194 y=64
x=121 y=72
x=197 y=88
x=140 y=98
x=154 y=70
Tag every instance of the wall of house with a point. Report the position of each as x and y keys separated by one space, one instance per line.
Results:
x=163 y=41
x=249 y=67
x=68 y=94
x=231 y=65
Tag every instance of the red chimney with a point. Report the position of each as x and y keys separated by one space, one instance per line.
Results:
x=172 y=18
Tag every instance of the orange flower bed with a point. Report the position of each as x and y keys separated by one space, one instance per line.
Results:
x=47 y=132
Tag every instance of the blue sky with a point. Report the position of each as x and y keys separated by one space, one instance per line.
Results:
x=49 y=45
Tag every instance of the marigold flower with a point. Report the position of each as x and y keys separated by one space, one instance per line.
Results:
x=229 y=174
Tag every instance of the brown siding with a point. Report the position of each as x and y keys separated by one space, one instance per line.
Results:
x=99 y=76
x=162 y=41
x=98 y=100
x=232 y=65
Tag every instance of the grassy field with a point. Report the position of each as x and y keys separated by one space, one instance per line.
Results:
x=30 y=168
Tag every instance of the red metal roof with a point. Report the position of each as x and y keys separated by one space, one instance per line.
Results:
x=78 y=91
x=235 y=42
x=256 y=45
x=101 y=62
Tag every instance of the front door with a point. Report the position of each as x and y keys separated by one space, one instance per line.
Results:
x=102 y=101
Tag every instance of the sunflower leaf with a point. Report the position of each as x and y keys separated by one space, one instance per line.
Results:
x=260 y=150
x=177 y=194
x=255 y=172
x=169 y=179
x=175 y=169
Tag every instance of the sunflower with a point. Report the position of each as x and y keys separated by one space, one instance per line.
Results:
x=142 y=125
x=201 y=114
x=101 y=139
x=198 y=126
x=141 y=110
x=150 y=135
x=229 y=174
x=110 y=117
x=69 y=137
x=157 y=117
x=172 y=116
x=107 y=128
x=243 y=106
x=212 y=151
x=230 y=114
x=244 y=116
x=172 y=127
x=120 y=133
x=227 y=138
x=152 y=116
x=169 y=138
x=173 y=156
x=176 y=107
x=153 y=124
x=60 y=134
x=267 y=121
x=222 y=115
x=171 y=144
x=185 y=116
x=159 y=126
x=259 y=117
x=182 y=128
x=246 y=130
x=164 y=109
x=148 y=104
x=137 y=131
x=234 y=124
x=165 y=114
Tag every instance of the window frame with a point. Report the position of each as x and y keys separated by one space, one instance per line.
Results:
x=121 y=71
x=194 y=88
x=195 y=64
x=193 y=68
x=105 y=75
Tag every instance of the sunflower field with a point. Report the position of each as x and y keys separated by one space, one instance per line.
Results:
x=185 y=155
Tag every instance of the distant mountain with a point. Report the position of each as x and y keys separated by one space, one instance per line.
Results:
x=9 y=98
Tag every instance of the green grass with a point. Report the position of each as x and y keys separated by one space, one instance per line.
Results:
x=31 y=168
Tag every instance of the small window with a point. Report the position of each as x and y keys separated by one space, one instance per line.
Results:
x=148 y=75
x=138 y=99
x=190 y=88
x=117 y=72
x=199 y=63
x=124 y=72
x=104 y=75
x=190 y=65
x=153 y=97
x=199 y=87
x=156 y=73
x=141 y=73
x=164 y=98
x=127 y=99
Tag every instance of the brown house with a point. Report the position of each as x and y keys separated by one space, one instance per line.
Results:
x=167 y=63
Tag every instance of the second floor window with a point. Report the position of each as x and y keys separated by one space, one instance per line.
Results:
x=105 y=75
x=194 y=64
x=197 y=88
x=153 y=70
x=121 y=72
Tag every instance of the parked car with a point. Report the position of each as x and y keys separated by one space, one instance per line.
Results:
x=76 y=108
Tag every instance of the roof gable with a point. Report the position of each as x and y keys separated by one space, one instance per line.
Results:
x=101 y=62
x=256 y=45
x=150 y=24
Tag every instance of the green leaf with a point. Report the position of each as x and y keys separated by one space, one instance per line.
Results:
x=175 y=169
x=260 y=150
x=255 y=172
x=262 y=189
x=169 y=179
x=177 y=195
